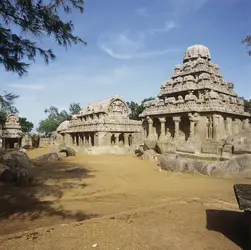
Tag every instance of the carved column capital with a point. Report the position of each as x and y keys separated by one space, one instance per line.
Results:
x=176 y=118
x=149 y=120
x=162 y=119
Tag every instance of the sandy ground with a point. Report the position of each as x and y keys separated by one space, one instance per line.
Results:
x=119 y=202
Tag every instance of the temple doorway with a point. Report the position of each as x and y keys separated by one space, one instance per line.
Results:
x=185 y=127
x=121 y=139
x=170 y=126
x=130 y=140
x=113 y=139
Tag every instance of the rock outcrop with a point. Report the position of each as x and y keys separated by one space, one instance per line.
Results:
x=62 y=148
x=238 y=167
x=15 y=166
x=48 y=157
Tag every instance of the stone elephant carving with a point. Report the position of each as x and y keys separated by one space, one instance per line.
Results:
x=35 y=140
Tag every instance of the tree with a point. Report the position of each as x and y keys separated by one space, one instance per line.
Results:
x=35 y=19
x=53 y=120
x=26 y=126
x=7 y=105
x=247 y=105
x=137 y=109
x=74 y=108
x=247 y=41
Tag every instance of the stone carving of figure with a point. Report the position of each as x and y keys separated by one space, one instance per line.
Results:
x=187 y=66
x=177 y=69
x=207 y=95
x=180 y=99
x=170 y=100
x=213 y=94
x=190 y=96
x=201 y=96
x=209 y=128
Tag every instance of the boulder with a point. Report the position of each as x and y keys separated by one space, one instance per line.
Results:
x=16 y=167
x=237 y=167
x=62 y=148
x=48 y=157
x=241 y=142
x=69 y=151
x=26 y=146
x=22 y=150
x=150 y=155
x=35 y=140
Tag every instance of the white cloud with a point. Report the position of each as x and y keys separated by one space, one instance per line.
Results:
x=120 y=46
x=140 y=55
x=27 y=86
x=167 y=27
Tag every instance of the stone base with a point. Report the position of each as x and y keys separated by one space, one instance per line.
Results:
x=101 y=150
x=190 y=146
x=212 y=147
x=150 y=143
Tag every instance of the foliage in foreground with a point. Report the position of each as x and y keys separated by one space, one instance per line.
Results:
x=247 y=41
x=7 y=105
x=23 y=23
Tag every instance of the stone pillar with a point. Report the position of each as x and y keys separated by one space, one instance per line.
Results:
x=90 y=140
x=126 y=137
x=216 y=132
x=150 y=127
x=176 y=120
x=192 y=123
x=80 y=140
x=74 y=139
x=116 y=139
x=246 y=124
x=96 y=139
x=162 y=126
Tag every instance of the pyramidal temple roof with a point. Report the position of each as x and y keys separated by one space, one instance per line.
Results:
x=196 y=86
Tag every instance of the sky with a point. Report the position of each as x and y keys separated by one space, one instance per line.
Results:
x=132 y=48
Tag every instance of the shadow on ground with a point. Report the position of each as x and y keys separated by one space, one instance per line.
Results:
x=231 y=224
x=26 y=203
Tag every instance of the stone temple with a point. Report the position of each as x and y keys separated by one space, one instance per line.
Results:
x=196 y=109
x=11 y=132
x=103 y=123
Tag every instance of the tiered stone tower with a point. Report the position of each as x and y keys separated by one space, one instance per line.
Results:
x=196 y=105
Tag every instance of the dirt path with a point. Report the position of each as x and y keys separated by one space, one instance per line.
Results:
x=143 y=207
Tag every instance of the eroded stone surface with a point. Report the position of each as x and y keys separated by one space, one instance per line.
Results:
x=101 y=124
x=196 y=112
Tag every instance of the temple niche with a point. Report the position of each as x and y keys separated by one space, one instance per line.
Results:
x=103 y=123
x=196 y=109
x=11 y=132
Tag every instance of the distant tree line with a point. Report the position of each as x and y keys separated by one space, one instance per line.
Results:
x=55 y=118
x=137 y=108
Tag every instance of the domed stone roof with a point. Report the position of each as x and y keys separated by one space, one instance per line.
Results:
x=197 y=51
x=63 y=126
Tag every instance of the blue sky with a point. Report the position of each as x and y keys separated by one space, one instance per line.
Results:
x=132 y=49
